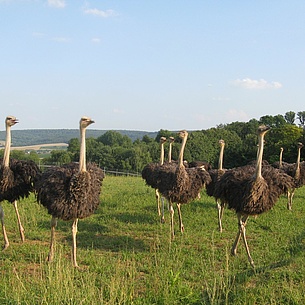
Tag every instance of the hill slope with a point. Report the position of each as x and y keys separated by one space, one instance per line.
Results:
x=46 y=136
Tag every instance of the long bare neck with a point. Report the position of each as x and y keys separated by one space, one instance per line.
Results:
x=7 y=149
x=220 y=161
x=259 y=162
x=162 y=154
x=281 y=158
x=170 y=152
x=297 y=171
x=182 y=152
x=82 y=153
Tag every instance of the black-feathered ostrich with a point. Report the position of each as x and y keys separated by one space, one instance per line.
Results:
x=215 y=176
x=72 y=191
x=17 y=179
x=296 y=171
x=180 y=184
x=252 y=190
x=148 y=174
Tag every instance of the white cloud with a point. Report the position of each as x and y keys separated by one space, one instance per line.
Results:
x=96 y=40
x=100 y=13
x=249 y=83
x=60 y=39
x=57 y=3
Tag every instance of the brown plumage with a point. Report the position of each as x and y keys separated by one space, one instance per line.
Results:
x=215 y=176
x=296 y=171
x=179 y=184
x=252 y=190
x=71 y=192
x=149 y=175
x=17 y=179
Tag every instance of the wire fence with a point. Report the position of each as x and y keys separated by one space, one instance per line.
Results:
x=107 y=171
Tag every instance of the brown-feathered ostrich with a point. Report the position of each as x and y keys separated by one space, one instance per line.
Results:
x=252 y=190
x=179 y=184
x=148 y=174
x=17 y=178
x=72 y=191
x=215 y=176
x=296 y=171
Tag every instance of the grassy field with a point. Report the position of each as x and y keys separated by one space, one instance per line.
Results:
x=126 y=256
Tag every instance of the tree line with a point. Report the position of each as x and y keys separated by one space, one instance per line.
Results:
x=114 y=151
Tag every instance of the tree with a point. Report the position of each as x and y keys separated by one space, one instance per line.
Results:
x=301 y=118
x=273 y=121
x=114 y=138
x=290 y=117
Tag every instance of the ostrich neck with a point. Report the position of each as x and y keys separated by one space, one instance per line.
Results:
x=258 y=171
x=6 y=157
x=281 y=158
x=181 y=152
x=82 y=153
x=297 y=171
x=162 y=154
x=170 y=153
x=220 y=161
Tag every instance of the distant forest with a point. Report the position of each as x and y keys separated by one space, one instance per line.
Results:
x=47 y=136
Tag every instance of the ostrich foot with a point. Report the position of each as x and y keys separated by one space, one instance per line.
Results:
x=22 y=234
x=182 y=228
x=5 y=246
x=234 y=251
x=162 y=220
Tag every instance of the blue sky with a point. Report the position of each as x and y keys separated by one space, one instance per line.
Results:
x=150 y=65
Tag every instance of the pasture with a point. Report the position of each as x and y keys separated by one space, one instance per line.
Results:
x=126 y=256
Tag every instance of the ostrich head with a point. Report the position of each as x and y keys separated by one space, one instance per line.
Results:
x=162 y=140
x=11 y=121
x=171 y=139
x=300 y=145
x=85 y=122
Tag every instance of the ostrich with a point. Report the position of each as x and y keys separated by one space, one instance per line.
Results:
x=215 y=176
x=251 y=190
x=17 y=178
x=296 y=171
x=72 y=191
x=180 y=184
x=148 y=174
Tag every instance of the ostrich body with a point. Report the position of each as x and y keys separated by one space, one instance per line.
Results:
x=215 y=176
x=296 y=171
x=180 y=184
x=251 y=190
x=148 y=174
x=71 y=192
x=17 y=179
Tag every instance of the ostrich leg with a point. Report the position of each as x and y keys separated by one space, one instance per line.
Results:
x=290 y=196
x=158 y=201
x=220 y=213
x=6 y=242
x=242 y=221
x=162 y=210
x=180 y=217
x=21 y=229
x=171 y=211
x=74 y=232
x=51 y=251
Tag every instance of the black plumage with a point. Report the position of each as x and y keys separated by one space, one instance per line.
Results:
x=296 y=171
x=17 y=179
x=180 y=184
x=252 y=190
x=215 y=176
x=71 y=192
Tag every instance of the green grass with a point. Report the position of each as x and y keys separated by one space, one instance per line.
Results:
x=126 y=256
